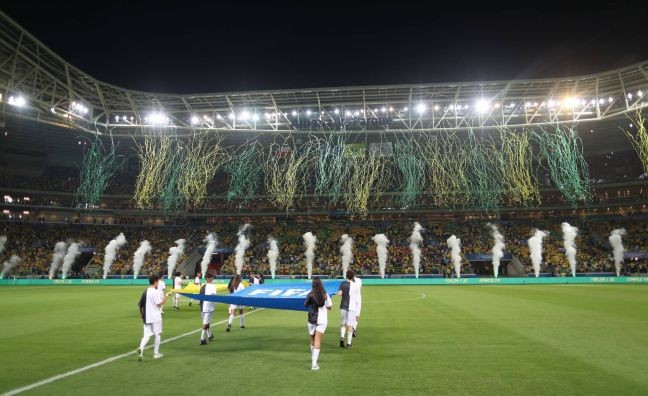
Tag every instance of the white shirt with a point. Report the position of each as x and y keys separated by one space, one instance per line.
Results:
x=241 y=286
x=197 y=281
x=255 y=280
x=210 y=290
x=177 y=282
x=322 y=312
x=154 y=297
x=354 y=297
x=359 y=282
x=161 y=284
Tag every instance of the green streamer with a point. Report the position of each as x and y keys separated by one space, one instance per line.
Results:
x=100 y=163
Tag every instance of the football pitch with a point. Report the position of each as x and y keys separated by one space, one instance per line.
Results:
x=533 y=339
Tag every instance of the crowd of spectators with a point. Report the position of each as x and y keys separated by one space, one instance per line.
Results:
x=34 y=242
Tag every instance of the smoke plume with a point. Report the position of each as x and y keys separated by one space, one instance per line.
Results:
x=616 y=241
x=9 y=264
x=72 y=253
x=381 y=250
x=111 y=252
x=498 y=247
x=212 y=242
x=273 y=255
x=347 y=252
x=138 y=258
x=535 y=249
x=243 y=243
x=59 y=252
x=569 y=237
x=309 y=244
x=415 y=240
x=175 y=252
x=454 y=244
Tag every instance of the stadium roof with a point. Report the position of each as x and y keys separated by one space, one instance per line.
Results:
x=37 y=84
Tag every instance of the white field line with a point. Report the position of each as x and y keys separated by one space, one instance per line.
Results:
x=102 y=362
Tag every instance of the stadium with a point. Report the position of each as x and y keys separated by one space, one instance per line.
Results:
x=499 y=228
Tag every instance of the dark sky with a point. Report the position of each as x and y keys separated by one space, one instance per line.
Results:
x=210 y=46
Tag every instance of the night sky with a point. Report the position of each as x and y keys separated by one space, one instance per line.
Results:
x=186 y=47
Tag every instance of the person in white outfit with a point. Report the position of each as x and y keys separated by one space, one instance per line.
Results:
x=207 y=309
x=150 y=306
x=318 y=303
x=161 y=287
x=235 y=285
x=177 y=284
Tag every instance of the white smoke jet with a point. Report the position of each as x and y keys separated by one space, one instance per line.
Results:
x=347 y=252
x=243 y=243
x=273 y=255
x=498 y=247
x=9 y=264
x=535 y=249
x=3 y=241
x=212 y=242
x=309 y=244
x=454 y=244
x=175 y=252
x=569 y=237
x=415 y=240
x=138 y=258
x=111 y=252
x=59 y=252
x=381 y=250
x=616 y=241
x=72 y=253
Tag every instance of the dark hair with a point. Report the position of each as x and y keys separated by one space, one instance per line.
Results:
x=177 y=273
x=209 y=276
x=234 y=283
x=317 y=293
x=153 y=278
x=350 y=274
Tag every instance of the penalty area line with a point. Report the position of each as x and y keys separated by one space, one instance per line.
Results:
x=105 y=361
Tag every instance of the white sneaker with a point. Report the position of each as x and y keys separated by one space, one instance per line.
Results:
x=315 y=368
x=158 y=356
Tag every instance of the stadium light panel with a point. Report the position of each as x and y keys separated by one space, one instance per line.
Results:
x=336 y=111
x=158 y=118
x=294 y=113
x=640 y=93
x=308 y=112
x=348 y=113
x=420 y=108
x=195 y=120
x=255 y=117
x=17 y=101
x=383 y=110
x=436 y=107
x=245 y=115
x=629 y=95
x=570 y=102
x=391 y=109
x=232 y=116
x=610 y=99
x=482 y=106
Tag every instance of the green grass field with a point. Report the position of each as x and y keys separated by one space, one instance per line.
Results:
x=561 y=339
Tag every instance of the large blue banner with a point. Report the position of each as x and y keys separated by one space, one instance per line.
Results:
x=289 y=296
